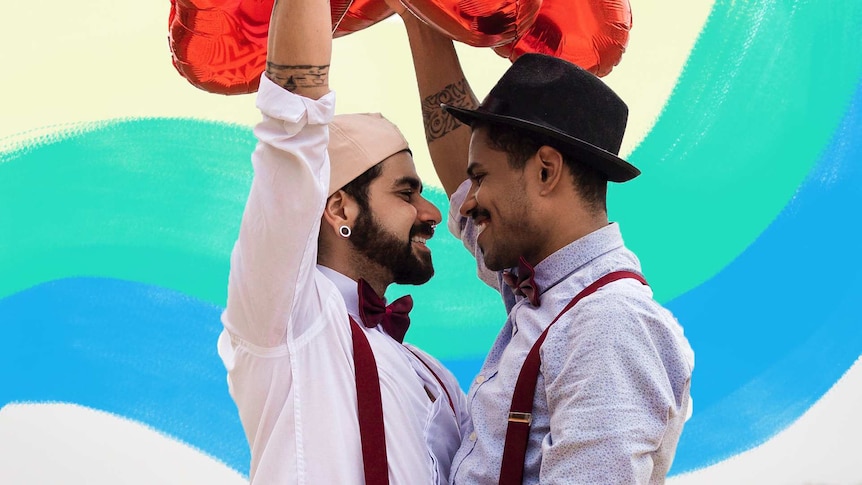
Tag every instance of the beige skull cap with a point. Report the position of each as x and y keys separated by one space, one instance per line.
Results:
x=358 y=142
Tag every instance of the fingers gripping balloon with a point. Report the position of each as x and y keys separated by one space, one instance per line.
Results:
x=220 y=45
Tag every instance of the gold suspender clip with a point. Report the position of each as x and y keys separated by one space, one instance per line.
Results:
x=521 y=418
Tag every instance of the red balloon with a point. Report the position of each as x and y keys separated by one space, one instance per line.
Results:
x=480 y=23
x=220 y=45
x=590 y=33
x=361 y=15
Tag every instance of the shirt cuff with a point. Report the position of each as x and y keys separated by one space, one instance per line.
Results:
x=456 y=221
x=276 y=102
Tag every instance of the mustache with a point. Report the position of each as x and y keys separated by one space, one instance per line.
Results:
x=424 y=229
x=476 y=213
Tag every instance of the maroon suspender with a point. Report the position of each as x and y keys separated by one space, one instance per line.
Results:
x=520 y=412
x=370 y=404
x=370 y=412
x=439 y=381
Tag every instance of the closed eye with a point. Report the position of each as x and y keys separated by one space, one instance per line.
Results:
x=407 y=187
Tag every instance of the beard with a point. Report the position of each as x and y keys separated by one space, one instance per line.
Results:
x=392 y=253
x=509 y=237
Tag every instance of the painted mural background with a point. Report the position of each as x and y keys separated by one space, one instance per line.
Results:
x=121 y=190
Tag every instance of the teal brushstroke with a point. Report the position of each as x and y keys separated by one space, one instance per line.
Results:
x=159 y=201
x=152 y=200
x=760 y=96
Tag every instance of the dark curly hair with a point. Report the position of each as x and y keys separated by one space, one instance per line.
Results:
x=358 y=187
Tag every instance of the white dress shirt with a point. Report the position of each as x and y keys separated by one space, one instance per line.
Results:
x=287 y=342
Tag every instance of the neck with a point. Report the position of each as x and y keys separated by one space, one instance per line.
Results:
x=567 y=230
x=359 y=267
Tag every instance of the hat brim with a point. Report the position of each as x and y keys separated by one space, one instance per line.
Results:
x=615 y=168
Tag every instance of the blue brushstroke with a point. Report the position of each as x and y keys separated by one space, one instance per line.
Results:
x=780 y=325
x=141 y=352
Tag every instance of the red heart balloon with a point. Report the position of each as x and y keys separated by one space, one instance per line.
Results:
x=361 y=15
x=590 y=33
x=480 y=23
x=220 y=45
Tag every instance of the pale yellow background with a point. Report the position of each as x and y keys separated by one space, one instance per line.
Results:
x=71 y=62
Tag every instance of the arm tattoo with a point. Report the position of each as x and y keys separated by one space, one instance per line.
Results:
x=295 y=77
x=438 y=122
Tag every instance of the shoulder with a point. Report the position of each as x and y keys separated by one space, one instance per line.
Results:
x=620 y=321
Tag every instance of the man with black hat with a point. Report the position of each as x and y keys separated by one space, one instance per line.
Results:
x=326 y=391
x=588 y=380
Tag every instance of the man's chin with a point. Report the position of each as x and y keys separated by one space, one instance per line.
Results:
x=491 y=261
x=498 y=264
x=416 y=277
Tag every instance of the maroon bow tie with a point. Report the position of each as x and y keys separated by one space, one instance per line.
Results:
x=394 y=317
x=523 y=284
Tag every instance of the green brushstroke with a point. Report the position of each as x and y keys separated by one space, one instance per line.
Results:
x=760 y=96
x=159 y=201
x=155 y=201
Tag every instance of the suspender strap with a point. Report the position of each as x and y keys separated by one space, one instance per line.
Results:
x=370 y=410
x=520 y=412
x=439 y=381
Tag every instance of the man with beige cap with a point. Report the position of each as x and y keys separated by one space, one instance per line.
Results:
x=326 y=391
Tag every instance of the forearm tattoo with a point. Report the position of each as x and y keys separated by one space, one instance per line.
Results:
x=295 y=77
x=438 y=122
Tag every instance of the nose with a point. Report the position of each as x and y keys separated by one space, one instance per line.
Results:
x=427 y=212
x=469 y=202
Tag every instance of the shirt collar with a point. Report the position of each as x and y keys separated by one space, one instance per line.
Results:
x=346 y=286
x=576 y=254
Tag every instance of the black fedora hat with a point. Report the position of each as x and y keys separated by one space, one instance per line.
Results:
x=563 y=103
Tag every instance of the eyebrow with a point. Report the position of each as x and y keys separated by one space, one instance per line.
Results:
x=412 y=182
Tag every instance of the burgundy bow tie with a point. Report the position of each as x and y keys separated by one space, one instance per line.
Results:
x=523 y=284
x=394 y=317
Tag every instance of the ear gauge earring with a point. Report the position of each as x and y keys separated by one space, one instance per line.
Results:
x=344 y=231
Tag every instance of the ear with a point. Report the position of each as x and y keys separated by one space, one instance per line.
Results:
x=340 y=210
x=551 y=169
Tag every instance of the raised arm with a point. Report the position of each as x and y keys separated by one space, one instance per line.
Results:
x=441 y=80
x=273 y=261
x=300 y=46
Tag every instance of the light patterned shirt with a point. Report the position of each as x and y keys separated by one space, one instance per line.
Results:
x=613 y=389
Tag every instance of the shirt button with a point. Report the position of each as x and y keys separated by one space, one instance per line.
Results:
x=480 y=379
x=473 y=436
